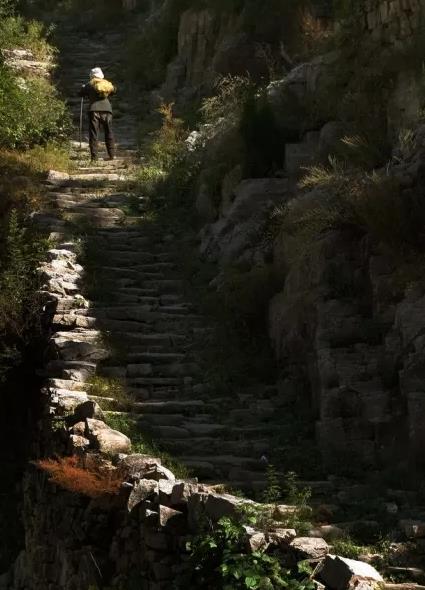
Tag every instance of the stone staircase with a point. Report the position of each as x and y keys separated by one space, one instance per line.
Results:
x=139 y=327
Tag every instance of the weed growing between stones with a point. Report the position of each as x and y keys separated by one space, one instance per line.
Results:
x=221 y=558
x=273 y=492
x=378 y=553
x=294 y=514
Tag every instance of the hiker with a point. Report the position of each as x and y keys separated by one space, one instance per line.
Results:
x=98 y=91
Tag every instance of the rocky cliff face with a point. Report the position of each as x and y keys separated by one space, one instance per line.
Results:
x=220 y=41
x=346 y=329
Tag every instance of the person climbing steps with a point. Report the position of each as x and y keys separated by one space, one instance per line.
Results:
x=98 y=91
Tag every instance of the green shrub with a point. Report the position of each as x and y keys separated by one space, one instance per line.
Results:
x=30 y=112
x=15 y=31
x=170 y=171
x=7 y=7
x=149 y=178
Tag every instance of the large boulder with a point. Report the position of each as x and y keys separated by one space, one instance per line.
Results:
x=106 y=440
x=309 y=548
x=338 y=573
x=291 y=97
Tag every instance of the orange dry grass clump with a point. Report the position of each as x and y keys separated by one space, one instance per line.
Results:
x=93 y=481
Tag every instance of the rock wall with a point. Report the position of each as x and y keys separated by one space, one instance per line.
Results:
x=348 y=336
x=393 y=21
x=135 y=538
x=210 y=44
x=343 y=327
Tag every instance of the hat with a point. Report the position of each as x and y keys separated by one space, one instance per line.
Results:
x=96 y=73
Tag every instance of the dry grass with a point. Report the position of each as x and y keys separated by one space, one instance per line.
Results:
x=22 y=173
x=113 y=389
x=93 y=481
x=316 y=32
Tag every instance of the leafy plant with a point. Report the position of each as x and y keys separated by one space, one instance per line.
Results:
x=273 y=491
x=297 y=496
x=30 y=111
x=7 y=8
x=16 y=31
x=171 y=169
x=219 y=558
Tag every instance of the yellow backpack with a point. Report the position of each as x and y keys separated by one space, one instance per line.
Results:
x=103 y=87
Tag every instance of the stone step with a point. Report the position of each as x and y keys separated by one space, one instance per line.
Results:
x=130 y=256
x=227 y=462
x=149 y=420
x=254 y=448
x=165 y=286
x=141 y=313
x=156 y=394
x=169 y=370
x=142 y=343
x=186 y=408
x=131 y=272
x=149 y=381
x=141 y=299
x=155 y=358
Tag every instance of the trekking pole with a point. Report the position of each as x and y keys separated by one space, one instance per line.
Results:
x=81 y=121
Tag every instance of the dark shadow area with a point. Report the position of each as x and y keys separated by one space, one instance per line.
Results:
x=18 y=419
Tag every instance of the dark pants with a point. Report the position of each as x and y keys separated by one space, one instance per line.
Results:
x=97 y=120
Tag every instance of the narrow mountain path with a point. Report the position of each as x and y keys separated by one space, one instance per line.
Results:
x=139 y=326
